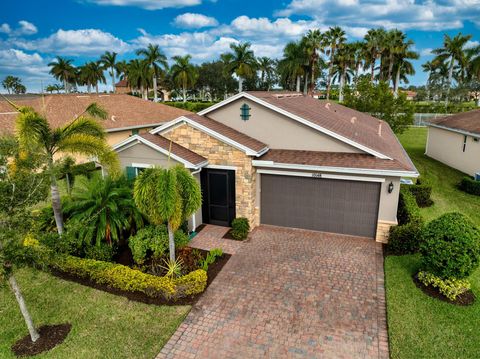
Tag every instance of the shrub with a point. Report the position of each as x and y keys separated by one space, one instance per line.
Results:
x=405 y=239
x=450 y=246
x=408 y=209
x=240 y=228
x=69 y=243
x=422 y=193
x=210 y=258
x=124 y=278
x=190 y=106
x=450 y=288
x=153 y=240
x=101 y=252
x=469 y=185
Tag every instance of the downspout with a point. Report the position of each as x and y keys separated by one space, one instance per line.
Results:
x=194 y=222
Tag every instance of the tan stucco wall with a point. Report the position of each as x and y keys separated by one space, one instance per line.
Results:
x=219 y=153
x=277 y=130
x=143 y=154
x=118 y=136
x=447 y=147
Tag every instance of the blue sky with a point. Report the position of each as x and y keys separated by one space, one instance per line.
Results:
x=33 y=32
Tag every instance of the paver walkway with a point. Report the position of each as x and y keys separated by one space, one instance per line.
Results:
x=290 y=294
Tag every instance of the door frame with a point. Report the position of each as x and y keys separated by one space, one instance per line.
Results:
x=206 y=190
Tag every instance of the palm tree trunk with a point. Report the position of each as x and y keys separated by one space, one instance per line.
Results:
x=298 y=83
x=372 y=75
x=171 y=242
x=305 y=85
x=96 y=88
x=312 y=82
x=390 y=68
x=89 y=89
x=397 y=82
x=449 y=83
x=184 y=91
x=155 y=96
x=329 y=80
x=113 y=79
x=56 y=201
x=23 y=308
x=240 y=84
x=65 y=88
x=342 y=84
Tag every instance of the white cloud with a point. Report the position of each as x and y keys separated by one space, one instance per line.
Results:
x=194 y=21
x=26 y=28
x=426 y=52
x=5 y=28
x=472 y=43
x=246 y=26
x=149 y=4
x=76 y=42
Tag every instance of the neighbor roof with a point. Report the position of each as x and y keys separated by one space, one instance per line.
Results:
x=468 y=122
x=124 y=111
x=360 y=130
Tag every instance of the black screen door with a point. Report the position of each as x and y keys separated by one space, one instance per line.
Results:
x=218 y=189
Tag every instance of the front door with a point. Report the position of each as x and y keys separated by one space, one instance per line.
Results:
x=218 y=191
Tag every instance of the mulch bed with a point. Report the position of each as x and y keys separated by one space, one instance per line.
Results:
x=50 y=337
x=467 y=298
x=212 y=272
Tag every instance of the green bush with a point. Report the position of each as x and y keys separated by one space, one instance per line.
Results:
x=153 y=241
x=450 y=288
x=124 y=278
x=450 y=246
x=190 y=106
x=101 y=252
x=469 y=185
x=408 y=209
x=439 y=107
x=405 y=239
x=240 y=228
x=422 y=193
x=210 y=258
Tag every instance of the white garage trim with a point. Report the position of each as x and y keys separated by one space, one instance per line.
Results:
x=322 y=175
x=221 y=167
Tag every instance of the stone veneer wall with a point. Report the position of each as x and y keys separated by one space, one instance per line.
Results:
x=219 y=153
x=383 y=228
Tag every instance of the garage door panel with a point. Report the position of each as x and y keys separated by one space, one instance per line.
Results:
x=349 y=207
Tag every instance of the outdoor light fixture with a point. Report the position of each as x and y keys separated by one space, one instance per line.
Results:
x=390 y=187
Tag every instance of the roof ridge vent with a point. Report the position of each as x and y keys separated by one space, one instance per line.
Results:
x=380 y=128
x=327 y=105
x=113 y=118
x=353 y=119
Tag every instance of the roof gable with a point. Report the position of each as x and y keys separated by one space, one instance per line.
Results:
x=467 y=123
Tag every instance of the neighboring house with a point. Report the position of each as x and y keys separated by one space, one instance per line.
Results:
x=283 y=159
x=455 y=141
x=127 y=115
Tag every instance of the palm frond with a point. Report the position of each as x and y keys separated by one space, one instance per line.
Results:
x=83 y=144
x=96 y=111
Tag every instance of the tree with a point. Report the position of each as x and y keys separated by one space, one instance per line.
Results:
x=452 y=52
x=63 y=70
x=267 y=69
x=312 y=44
x=183 y=73
x=344 y=61
x=334 y=38
x=21 y=185
x=138 y=76
x=373 y=46
x=242 y=62
x=91 y=74
x=109 y=61
x=12 y=83
x=292 y=67
x=394 y=46
x=401 y=65
x=156 y=60
x=215 y=80
x=83 y=135
x=379 y=101
x=167 y=195
x=429 y=67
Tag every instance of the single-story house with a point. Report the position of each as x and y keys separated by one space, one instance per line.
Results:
x=283 y=159
x=455 y=141
x=127 y=115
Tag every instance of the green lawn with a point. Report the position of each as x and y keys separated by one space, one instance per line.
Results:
x=103 y=325
x=420 y=326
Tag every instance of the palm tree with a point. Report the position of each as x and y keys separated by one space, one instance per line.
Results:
x=138 y=76
x=394 y=44
x=109 y=61
x=429 y=67
x=91 y=74
x=402 y=66
x=183 y=73
x=242 y=62
x=104 y=207
x=63 y=70
x=474 y=68
x=83 y=135
x=373 y=46
x=312 y=44
x=121 y=68
x=452 y=51
x=359 y=57
x=167 y=195
x=334 y=38
x=344 y=62
x=10 y=83
x=156 y=60
x=267 y=69
x=292 y=65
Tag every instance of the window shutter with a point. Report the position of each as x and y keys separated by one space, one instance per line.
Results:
x=131 y=173
x=245 y=112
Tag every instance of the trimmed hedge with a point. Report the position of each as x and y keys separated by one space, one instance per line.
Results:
x=124 y=278
x=469 y=185
x=190 y=106
x=422 y=193
x=439 y=107
x=408 y=209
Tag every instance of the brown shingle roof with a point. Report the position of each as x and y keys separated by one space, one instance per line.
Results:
x=346 y=122
x=124 y=111
x=331 y=159
x=229 y=132
x=175 y=148
x=464 y=121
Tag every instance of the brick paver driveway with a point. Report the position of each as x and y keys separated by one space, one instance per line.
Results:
x=290 y=293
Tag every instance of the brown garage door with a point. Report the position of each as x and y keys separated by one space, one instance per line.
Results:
x=330 y=205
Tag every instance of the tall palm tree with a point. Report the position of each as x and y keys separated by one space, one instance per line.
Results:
x=63 y=70
x=430 y=68
x=359 y=58
x=167 y=195
x=373 y=46
x=452 y=52
x=157 y=61
x=334 y=38
x=474 y=67
x=91 y=74
x=292 y=65
x=121 y=68
x=83 y=135
x=267 y=69
x=242 y=62
x=344 y=62
x=312 y=43
x=402 y=65
x=394 y=44
x=138 y=76
x=109 y=61
x=183 y=73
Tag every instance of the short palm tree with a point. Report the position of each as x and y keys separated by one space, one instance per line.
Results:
x=83 y=135
x=138 y=76
x=104 y=208
x=183 y=73
x=157 y=62
x=334 y=38
x=312 y=43
x=63 y=70
x=242 y=62
x=167 y=195
x=109 y=61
